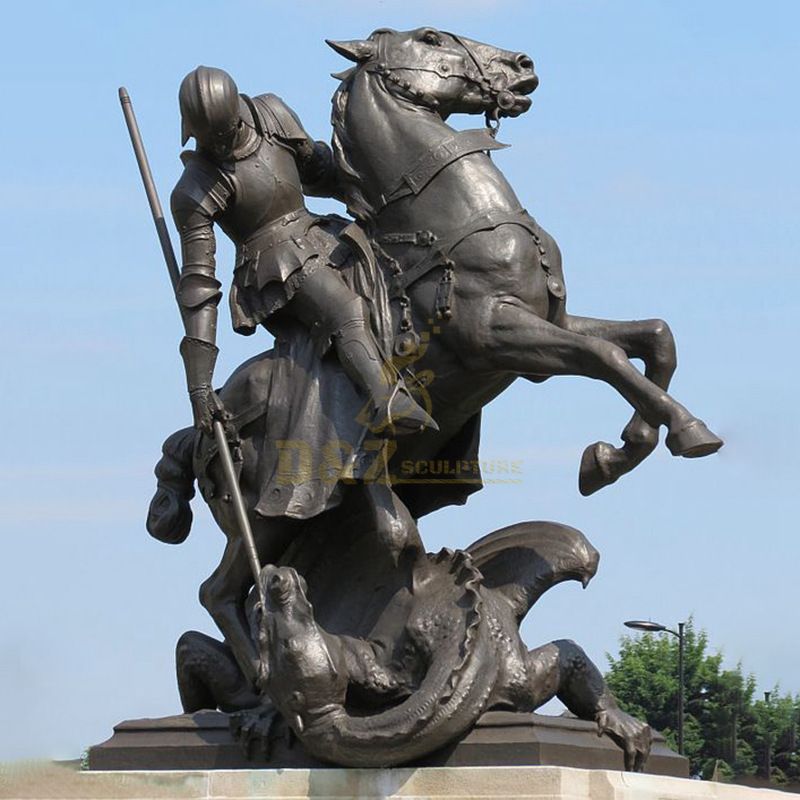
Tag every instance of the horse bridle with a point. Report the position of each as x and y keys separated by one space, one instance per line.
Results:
x=503 y=99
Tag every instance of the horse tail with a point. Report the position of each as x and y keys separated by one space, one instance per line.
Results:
x=169 y=518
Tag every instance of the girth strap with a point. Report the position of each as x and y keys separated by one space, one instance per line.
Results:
x=444 y=245
x=425 y=169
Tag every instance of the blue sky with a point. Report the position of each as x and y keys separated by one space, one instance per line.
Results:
x=661 y=152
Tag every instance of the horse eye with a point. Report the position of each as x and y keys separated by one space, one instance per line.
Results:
x=431 y=38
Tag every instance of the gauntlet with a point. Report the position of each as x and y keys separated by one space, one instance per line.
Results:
x=199 y=358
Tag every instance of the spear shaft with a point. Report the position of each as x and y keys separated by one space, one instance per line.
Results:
x=174 y=273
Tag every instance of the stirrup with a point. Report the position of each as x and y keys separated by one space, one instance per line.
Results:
x=401 y=415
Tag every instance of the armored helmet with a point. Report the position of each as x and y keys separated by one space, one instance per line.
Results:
x=209 y=103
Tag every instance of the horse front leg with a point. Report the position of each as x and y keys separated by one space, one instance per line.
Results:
x=512 y=338
x=651 y=341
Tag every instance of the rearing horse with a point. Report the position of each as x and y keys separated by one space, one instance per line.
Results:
x=460 y=244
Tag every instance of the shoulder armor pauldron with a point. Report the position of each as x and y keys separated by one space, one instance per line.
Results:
x=278 y=120
x=204 y=183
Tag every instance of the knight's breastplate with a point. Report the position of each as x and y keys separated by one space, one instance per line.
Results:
x=266 y=186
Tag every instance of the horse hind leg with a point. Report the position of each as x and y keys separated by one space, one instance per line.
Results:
x=224 y=593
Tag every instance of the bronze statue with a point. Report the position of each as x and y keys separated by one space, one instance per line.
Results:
x=439 y=295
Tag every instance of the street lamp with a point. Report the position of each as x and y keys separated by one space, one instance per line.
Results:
x=655 y=627
x=768 y=738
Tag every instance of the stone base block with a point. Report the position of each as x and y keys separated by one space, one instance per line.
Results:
x=51 y=782
x=501 y=738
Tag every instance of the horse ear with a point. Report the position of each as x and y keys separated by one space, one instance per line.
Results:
x=344 y=75
x=357 y=50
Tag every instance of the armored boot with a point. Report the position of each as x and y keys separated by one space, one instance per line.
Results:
x=395 y=412
x=328 y=306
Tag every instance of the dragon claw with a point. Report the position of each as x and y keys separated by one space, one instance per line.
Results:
x=255 y=730
x=634 y=737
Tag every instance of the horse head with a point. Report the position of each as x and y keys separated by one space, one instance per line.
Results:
x=446 y=72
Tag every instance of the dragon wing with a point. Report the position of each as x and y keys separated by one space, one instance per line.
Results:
x=523 y=561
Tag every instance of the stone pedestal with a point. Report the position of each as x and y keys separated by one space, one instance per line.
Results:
x=501 y=738
x=50 y=782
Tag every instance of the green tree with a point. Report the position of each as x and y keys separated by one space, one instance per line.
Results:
x=726 y=731
x=772 y=726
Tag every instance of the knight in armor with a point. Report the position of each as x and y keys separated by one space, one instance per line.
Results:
x=248 y=173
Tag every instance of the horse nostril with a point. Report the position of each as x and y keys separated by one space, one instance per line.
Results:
x=524 y=62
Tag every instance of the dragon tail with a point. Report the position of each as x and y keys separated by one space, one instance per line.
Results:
x=448 y=702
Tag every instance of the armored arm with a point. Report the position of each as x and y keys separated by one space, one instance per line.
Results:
x=195 y=202
x=314 y=159
x=318 y=170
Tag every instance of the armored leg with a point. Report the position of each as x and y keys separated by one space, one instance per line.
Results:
x=325 y=303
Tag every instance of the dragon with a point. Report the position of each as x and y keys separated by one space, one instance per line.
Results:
x=446 y=650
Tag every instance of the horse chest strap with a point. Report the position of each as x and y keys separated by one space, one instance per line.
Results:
x=424 y=170
x=442 y=246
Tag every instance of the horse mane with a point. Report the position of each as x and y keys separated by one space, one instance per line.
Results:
x=351 y=179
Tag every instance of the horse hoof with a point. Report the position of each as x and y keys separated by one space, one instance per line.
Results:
x=169 y=518
x=693 y=440
x=595 y=469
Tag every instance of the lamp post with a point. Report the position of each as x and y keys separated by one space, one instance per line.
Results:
x=768 y=739
x=655 y=627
